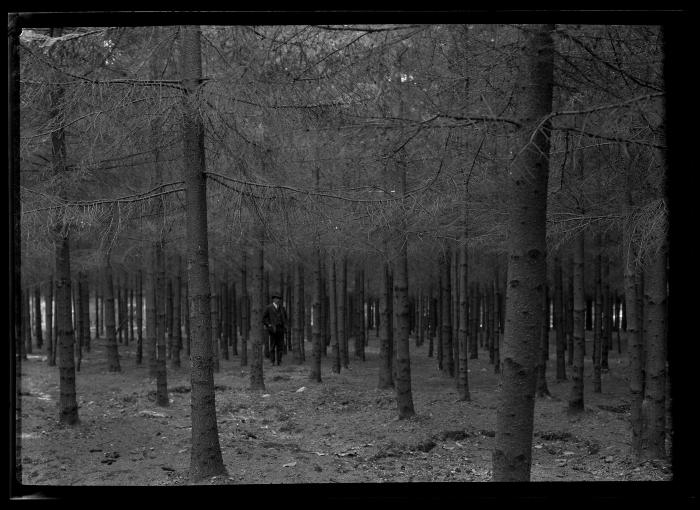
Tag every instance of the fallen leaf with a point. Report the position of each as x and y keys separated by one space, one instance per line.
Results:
x=291 y=464
x=301 y=389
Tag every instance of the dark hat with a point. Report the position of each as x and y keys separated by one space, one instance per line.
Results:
x=275 y=295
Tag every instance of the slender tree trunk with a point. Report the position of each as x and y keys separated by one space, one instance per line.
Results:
x=26 y=324
x=341 y=304
x=569 y=311
x=266 y=300
x=161 y=370
x=607 y=316
x=48 y=314
x=258 y=333
x=205 y=458
x=169 y=314
x=109 y=319
x=542 y=388
x=315 y=374
x=298 y=316
x=68 y=404
x=597 y=317
x=79 y=318
x=447 y=313
x=225 y=337
x=139 y=317
x=438 y=317
x=234 y=319
x=559 y=318
x=463 y=380
x=576 y=403
x=177 y=316
x=37 y=315
x=386 y=379
x=527 y=275
x=151 y=311
x=333 y=311
x=244 y=310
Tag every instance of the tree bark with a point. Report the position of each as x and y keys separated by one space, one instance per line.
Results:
x=315 y=373
x=177 y=316
x=527 y=275
x=244 y=310
x=205 y=456
x=333 y=310
x=386 y=370
x=597 y=317
x=113 y=364
x=161 y=370
x=48 y=314
x=559 y=318
x=448 y=361
x=139 y=317
x=463 y=380
x=258 y=333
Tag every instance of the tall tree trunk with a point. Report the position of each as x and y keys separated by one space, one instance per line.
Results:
x=244 y=309
x=37 y=315
x=234 y=320
x=177 y=316
x=26 y=323
x=139 y=317
x=386 y=370
x=205 y=458
x=258 y=333
x=597 y=317
x=542 y=388
x=463 y=380
x=473 y=322
x=109 y=319
x=298 y=316
x=161 y=370
x=527 y=275
x=654 y=405
x=362 y=334
x=48 y=311
x=151 y=283
x=404 y=395
x=576 y=403
x=559 y=319
x=315 y=373
x=341 y=307
x=79 y=317
x=169 y=312
x=607 y=316
x=447 y=313
x=215 y=331
x=569 y=311
x=333 y=311
x=438 y=317
x=68 y=404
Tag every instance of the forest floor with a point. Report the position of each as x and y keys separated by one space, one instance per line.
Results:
x=297 y=431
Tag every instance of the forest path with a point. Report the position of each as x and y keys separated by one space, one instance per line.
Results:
x=342 y=430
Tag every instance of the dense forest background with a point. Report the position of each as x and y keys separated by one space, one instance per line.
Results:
x=493 y=191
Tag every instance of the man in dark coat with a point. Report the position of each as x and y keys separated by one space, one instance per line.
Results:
x=275 y=321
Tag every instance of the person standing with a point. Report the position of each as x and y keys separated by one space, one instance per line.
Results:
x=275 y=321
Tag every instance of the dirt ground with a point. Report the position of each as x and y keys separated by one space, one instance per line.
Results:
x=297 y=431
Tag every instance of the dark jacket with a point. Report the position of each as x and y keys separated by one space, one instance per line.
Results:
x=275 y=319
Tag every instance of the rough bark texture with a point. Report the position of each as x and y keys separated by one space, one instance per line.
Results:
x=654 y=405
x=527 y=275
x=404 y=396
x=177 y=317
x=68 y=404
x=205 y=456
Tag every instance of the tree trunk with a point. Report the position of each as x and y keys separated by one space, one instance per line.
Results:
x=654 y=405
x=569 y=312
x=161 y=370
x=341 y=307
x=48 y=311
x=463 y=379
x=205 y=457
x=386 y=369
x=559 y=318
x=315 y=374
x=169 y=312
x=151 y=352
x=579 y=309
x=333 y=311
x=177 y=317
x=109 y=318
x=139 y=317
x=68 y=404
x=542 y=388
x=244 y=310
x=234 y=320
x=215 y=331
x=258 y=333
x=37 y=315
x=607 y=316
x=597 y=317
x=527 y=275
x=447 y=313
x=438 y=317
